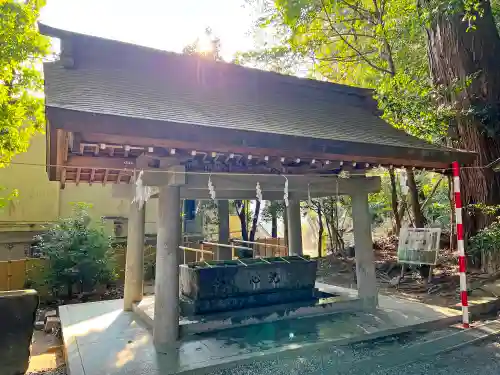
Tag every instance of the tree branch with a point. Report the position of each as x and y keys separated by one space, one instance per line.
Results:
x=367 y=61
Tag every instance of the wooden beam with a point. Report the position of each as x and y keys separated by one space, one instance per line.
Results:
x=105 y=178
x=63 y=178
x=51 y=142
x=65 y=147
x=269 y=182
x=100 y=162
x=78 y=174
x=175 y=135
x=123 y=191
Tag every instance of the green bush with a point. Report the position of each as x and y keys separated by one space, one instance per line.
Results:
x=486 y=240
x=78 y=253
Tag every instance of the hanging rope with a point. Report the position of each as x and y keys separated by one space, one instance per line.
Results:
x=211 y=188
x=285 y=195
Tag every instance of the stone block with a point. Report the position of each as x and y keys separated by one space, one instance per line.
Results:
x=52 y=323
x=207 y=306
x=223 y=279
x=17 y=314
x=49 y=313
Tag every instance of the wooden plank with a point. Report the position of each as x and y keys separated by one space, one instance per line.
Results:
x=100 y=162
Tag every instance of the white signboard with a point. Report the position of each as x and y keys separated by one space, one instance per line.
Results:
x=419 y=245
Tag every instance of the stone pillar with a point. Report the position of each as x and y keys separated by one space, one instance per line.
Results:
x=365 y=258
x=134 y=264
x=223 y=215
x=166 y=314
x=294 y=228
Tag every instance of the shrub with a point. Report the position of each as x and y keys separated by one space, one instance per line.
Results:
x=78 y=252
x=486 y=241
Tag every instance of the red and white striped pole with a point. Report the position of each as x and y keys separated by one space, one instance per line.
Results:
x=460 y=245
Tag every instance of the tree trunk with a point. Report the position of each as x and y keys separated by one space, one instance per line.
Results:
x=394 y=201
x=333 y=248
x=255 y=220
x=240 y=209
x=456 y=54
x=415 y=203
x=274 y=224
x=320 y=230
x=285 y=225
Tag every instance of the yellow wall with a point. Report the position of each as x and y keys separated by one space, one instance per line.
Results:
x=41 y=201
x=38 y=200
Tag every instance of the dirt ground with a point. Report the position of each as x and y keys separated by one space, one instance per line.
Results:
x=46 y=355
x=441 y=289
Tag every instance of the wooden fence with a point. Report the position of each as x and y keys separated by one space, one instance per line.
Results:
x=16 y=274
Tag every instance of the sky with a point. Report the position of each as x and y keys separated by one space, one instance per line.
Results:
x=164 y=24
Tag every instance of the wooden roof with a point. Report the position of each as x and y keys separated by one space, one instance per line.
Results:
x=108 y=102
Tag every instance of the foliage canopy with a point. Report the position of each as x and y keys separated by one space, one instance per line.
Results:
x=21 y=53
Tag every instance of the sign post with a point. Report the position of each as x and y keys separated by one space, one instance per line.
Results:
x=419 y=245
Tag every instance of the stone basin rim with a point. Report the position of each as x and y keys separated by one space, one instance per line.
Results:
x=247 y=262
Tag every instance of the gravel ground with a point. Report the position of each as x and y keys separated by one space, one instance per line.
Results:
x=58 y=371
x=483 y=359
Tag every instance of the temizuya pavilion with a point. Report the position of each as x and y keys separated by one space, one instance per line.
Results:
x=114 y=109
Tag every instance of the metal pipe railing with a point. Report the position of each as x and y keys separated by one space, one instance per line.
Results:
x=202 y=251
x=232 y=246
x=258 y=243
x=265 y=244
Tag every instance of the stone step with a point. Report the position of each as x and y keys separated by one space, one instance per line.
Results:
x=52 y=323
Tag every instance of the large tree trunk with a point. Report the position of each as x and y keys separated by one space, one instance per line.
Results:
x=274 y=226
x=415 y=203
x=240 y=209
x=456 y=54
x=394 y=200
